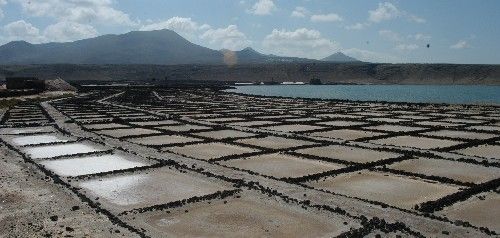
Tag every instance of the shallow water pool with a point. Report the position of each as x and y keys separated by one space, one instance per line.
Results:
x=38 y=139
x=59 y=150
x=90 y=165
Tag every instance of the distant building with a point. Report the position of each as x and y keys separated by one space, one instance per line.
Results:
x=293 y=83
x=315 y=81
x=21 y=83
x=244 y=83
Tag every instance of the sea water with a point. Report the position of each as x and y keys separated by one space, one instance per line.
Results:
x=452 y=94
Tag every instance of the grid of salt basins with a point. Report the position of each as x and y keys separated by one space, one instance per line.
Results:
x=25 y=114
x=440 y=159
x=143 y=129
x=28 y=129
x=438 y=162
x=142 y=193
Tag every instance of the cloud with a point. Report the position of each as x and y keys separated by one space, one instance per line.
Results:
x=390 y=35
x=2 y=2
x=420 y=37
x=184 y=26
x=371 y=56
x=461 y=44
x=399 y=40
x=357 y=26
x=385 y=11
x=58 y=32
x=263 y=7
x=63 y=31
x=300 y=43
x=177 y=24
x=300 y=12
x=69 y=31
x=388 y=11
x=406 y=47
x=332 y=17
x=228 y=38
x=82 y=11
x=22 y=30
x=416 y=19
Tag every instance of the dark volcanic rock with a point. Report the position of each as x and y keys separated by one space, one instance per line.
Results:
x=338 y=73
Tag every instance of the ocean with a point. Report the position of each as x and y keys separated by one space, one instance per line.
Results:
x=450 y=94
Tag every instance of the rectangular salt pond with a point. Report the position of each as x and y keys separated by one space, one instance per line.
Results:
x=281 y=165
x=38 y=139
x=208 y=151
x=26 y=130
x=400 y=191
x=90 y=165
x=481 y=212
x=59 y=150
x=248 y=216
x=129 y=191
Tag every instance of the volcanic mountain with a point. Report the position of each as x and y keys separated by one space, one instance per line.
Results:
x=340 y=57
x=161 y=47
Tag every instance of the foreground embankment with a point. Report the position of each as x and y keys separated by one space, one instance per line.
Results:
x=355 y=73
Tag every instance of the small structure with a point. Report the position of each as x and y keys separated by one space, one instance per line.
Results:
x=24 y=83
x=244 y=83
x=292 y=83
x=315 y=81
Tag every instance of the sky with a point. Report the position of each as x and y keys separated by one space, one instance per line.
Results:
x=392 y=31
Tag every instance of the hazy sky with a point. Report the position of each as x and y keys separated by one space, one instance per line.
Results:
x=458 y=31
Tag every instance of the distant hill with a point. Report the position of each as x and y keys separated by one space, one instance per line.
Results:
x=137 y=47
x=162 y=47
x=247 y=55
x=251 y=56
x=339 y=57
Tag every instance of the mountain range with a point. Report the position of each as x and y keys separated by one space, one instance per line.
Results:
x=161 y=47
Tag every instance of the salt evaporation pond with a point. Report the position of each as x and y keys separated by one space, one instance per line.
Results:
x=90 y=165
x=38 y=139
x=111 y=188
x=59 y=150
x=27 y=130
x=125 y=192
